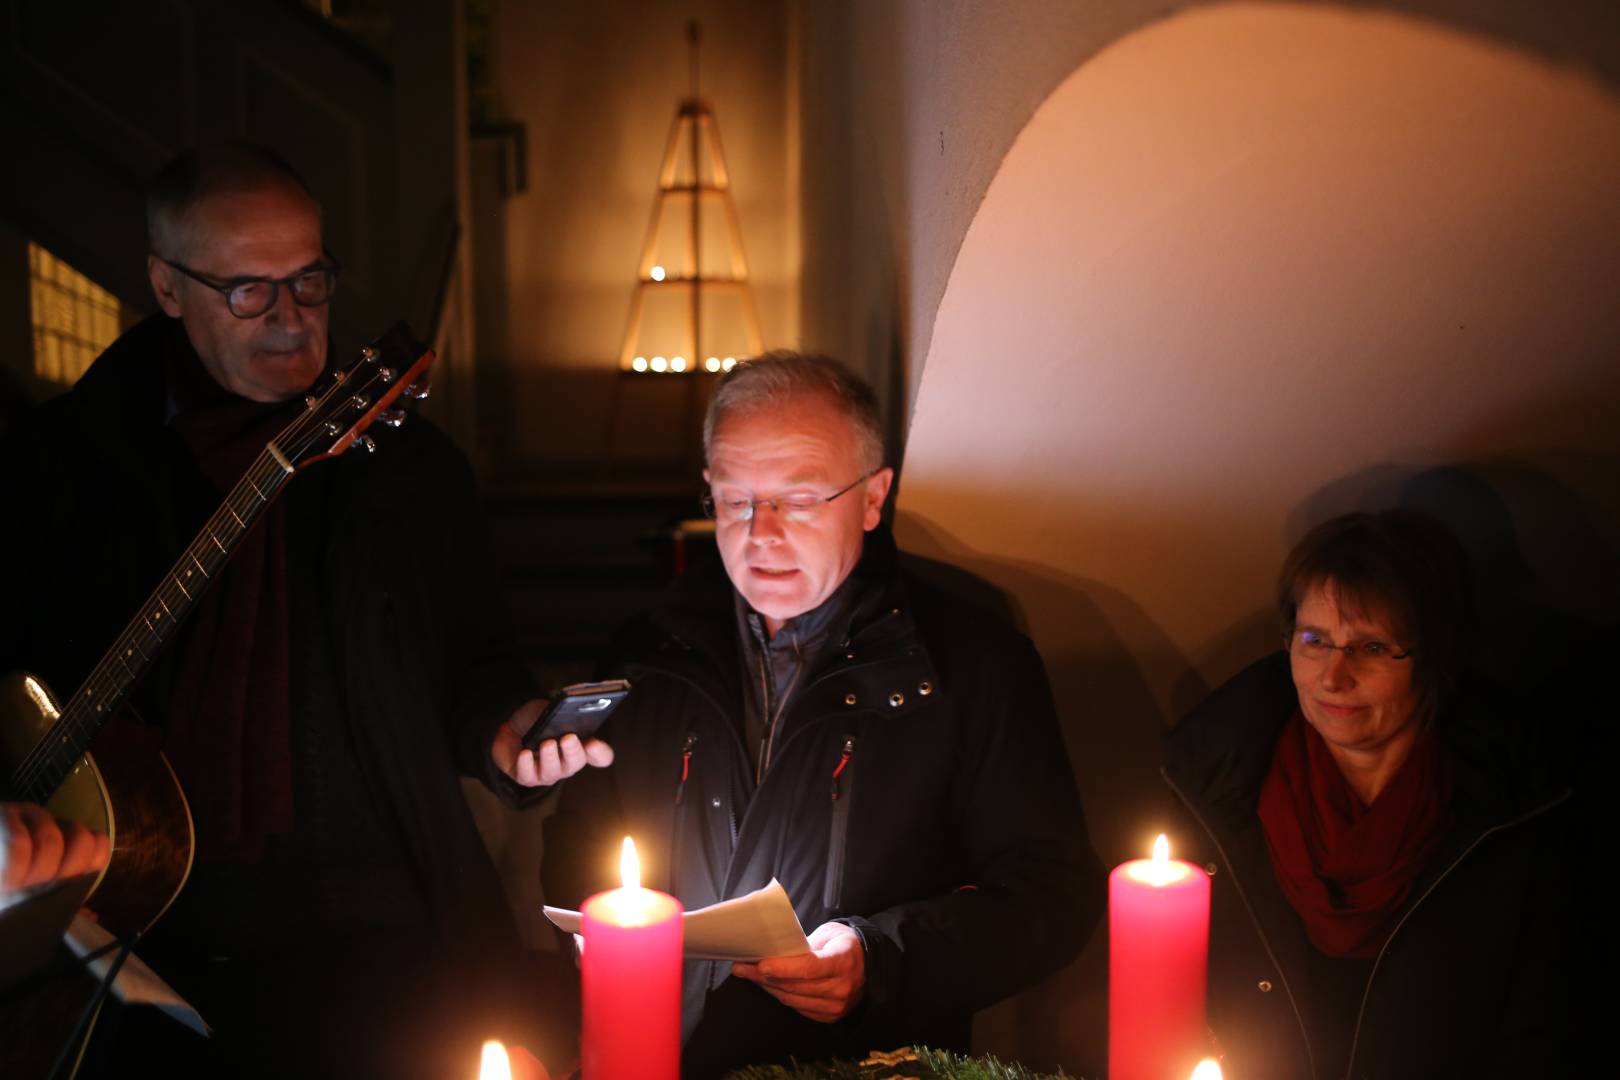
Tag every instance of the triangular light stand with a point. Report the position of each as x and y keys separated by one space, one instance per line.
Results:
x=693 y=309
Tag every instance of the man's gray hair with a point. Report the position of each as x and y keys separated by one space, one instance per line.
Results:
x=782 y=376
x=206 y=171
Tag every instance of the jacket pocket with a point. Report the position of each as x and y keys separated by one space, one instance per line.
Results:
x=677 y=826
x=843 y=789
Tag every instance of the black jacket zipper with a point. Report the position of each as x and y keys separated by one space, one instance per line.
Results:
x=843 y=787
x=742 y=751
x=677 y=823
x=686 y=766
x=1265 y=942
x=1366 y=993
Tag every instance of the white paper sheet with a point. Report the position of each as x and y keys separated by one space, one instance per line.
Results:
x=136 y=984
x=748 y=927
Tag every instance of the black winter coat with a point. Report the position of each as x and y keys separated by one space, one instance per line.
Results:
x=1475 y=978
x=955 y=845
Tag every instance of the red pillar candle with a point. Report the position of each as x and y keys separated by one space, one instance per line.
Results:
x=630 y=976
x=1158 y=953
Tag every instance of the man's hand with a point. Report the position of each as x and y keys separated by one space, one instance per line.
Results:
x=552 y=760
x=825 y=985
x=35 y=847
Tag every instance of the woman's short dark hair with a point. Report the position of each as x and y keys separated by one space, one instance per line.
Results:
x=1401 y=565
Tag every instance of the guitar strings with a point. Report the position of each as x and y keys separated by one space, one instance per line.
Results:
x=299 y=436
x=50 y=761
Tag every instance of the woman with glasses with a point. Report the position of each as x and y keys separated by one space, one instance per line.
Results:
x=1389 y=897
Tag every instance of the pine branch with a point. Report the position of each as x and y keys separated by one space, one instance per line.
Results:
x=927 y=1065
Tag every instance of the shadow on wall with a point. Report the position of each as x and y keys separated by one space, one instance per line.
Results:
x=1111 y=723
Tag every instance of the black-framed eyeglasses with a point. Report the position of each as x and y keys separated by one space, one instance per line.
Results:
x=799 y=507
x=1315 y=646
x=250 y=297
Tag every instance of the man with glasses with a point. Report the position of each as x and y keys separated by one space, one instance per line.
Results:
x=331 y=684
x=811 y=712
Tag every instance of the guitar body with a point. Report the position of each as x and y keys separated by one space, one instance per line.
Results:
x=129 y=792
x=132 y=795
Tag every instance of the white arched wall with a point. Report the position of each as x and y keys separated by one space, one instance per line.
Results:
x=1249 y=267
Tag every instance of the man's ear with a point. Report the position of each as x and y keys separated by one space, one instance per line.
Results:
x=165 y=285
x=877 y=493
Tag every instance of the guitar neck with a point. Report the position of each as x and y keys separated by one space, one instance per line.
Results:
x=332 y=422
x=153 y=626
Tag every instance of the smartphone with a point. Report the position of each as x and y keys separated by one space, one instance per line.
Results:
x=577 y=710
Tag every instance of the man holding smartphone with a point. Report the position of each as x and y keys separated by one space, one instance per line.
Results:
x=549 y=760
x=814 y=713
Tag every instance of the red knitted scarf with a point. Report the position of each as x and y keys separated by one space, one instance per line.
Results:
x=1346 y=867
x=228 y=733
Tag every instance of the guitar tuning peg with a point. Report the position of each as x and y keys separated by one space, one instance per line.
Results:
x=418 y=391
x=393 y=417
x=365 y=441
x=368 y=353
x=386 y=375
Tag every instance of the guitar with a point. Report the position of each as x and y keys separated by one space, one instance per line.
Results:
x=131 y=793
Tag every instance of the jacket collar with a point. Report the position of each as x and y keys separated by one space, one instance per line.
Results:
x=130 y=375
x=697 y=629
x=700 y=608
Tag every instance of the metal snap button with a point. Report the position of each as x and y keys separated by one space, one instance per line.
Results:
x=715 y=802
x=925 y=688
x=1265 y=986
x=896 y=700
x=849 y=699
x=1210 y=869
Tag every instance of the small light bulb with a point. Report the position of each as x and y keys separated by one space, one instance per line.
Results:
x=639 y=363
x=712 y=363
x=659 y=363
x=678 y=364
x=729 y=362
x=656 y=273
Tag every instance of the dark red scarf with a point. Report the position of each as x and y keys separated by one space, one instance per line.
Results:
x=228 y=733
x=1346 y=868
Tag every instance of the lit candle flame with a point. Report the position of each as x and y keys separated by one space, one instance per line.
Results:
x=496 y=1065
x=629 y=865
x=1159 y=870
x=1209 y=1068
